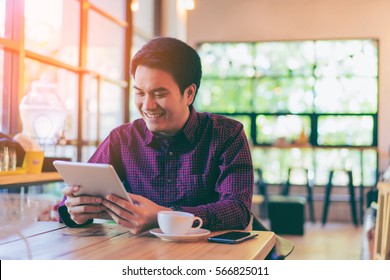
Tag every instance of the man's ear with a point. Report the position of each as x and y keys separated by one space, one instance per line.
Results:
x=190 y=92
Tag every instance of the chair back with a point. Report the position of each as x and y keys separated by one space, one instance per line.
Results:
x=382 y=227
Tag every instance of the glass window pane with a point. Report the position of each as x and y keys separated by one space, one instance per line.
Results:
x=345 y=130
x=305 y=77
x=346 y=95
x=338 y=160
x=281 y=129
x=275 y=163
x=53 y=34
x=229 y=95
x=2 y=18
x=87 y=152
x=59 y=150
x=115 y=8
x=134 y=114
x=105 y=56
x=3 y=112
x=369 y=161
x=138 y=42
x=111 y=109
x=111 y=103
x=90 y=108
x=272 y=162
x=227 y=60
x=300 y=175
x=347 y=58
x=66 y=87
x=284 y=58
x=293 y=95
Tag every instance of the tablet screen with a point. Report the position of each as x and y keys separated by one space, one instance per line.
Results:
x=94 y=179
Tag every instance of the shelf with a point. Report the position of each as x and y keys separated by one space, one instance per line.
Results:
x=29 y=179
x=18 y=171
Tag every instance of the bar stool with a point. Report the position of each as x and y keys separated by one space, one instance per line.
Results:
x=328 y=191
x=309 y=190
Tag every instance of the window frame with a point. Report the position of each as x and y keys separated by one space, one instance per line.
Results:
x=15 y=54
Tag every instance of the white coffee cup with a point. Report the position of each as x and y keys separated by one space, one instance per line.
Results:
x=176 y=222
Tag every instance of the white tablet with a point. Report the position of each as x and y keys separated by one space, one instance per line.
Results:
x=94 y=179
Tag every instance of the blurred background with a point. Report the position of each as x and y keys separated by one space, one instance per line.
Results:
x=306 y=78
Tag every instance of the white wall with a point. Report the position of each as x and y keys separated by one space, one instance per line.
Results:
x=269 y=20
x=174 y=20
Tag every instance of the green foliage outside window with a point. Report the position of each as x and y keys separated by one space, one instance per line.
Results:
x=326 y=90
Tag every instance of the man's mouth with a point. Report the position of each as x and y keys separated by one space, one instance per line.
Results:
x=153 y=115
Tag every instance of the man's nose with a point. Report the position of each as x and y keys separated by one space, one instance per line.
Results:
x=149 y=103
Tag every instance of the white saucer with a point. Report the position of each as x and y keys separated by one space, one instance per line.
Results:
x=193 y=235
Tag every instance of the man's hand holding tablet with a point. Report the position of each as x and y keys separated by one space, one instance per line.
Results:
x=89 y=184
x=95 y=191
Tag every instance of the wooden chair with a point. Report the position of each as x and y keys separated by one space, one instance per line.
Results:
x=382 y=227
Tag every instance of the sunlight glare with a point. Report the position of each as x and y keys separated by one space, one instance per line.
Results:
x=37 y=10
x=2 y=18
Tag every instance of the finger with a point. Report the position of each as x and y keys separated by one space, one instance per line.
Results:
x=120 y=220
x=131 y=224
x=121 y=211
x=83 y=200
x=120 y=202
x=81 y=214
x=81 y=219
x=119 y=207
x=67 y=191
x=70 y=190
x=86 y=209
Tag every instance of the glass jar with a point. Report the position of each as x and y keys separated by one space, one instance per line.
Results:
x=43 y=113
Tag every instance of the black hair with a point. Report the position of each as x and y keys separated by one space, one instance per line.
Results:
x=173 y=56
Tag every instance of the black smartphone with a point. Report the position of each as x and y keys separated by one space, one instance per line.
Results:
x=232 y=237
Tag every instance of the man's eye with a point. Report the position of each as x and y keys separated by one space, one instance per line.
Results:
x=160 y=93
x=139 y=93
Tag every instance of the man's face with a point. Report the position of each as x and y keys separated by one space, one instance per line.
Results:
x=158 y=100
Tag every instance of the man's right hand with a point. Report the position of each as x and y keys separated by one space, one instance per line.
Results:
x=83 y=208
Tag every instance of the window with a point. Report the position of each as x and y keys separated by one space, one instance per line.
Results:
x=309 y=104
x=90 y=74
x=147 y=24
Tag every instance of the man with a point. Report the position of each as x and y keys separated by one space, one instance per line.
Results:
x=173 y=158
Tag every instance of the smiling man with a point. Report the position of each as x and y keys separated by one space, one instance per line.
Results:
x=173 y=158
x=159 y=100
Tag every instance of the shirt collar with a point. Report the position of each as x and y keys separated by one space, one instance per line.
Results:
x=149 y=135
x=189 y=130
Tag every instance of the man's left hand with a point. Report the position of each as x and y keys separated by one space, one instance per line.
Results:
x=139 y=216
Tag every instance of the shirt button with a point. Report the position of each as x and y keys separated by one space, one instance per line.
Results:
x=169 y=180
x=170 y=153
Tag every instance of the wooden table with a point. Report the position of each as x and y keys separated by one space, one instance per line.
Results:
x=107 y=241
x=29 y=179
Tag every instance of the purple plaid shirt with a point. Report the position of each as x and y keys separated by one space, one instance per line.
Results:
x=206 y=169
